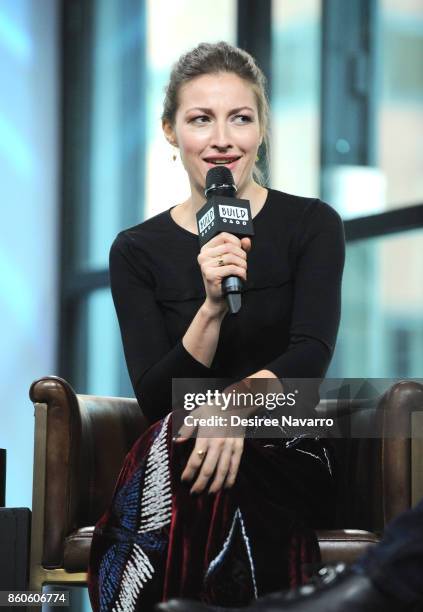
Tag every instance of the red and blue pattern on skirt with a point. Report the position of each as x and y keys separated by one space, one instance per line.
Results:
x=157 y=541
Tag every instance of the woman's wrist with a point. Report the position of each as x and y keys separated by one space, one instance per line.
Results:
x=263 y=374
x=214 y=311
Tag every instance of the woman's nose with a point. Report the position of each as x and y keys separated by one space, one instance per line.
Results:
x=221 y=135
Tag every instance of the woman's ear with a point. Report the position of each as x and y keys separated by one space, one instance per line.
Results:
x=169 y=133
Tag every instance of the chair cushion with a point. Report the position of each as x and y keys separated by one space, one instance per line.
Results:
x=344 y=545
x=77 y=550
x=335 y=545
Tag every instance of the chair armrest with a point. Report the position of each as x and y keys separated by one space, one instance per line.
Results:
x=398 y=403
x=344 y=545
x=80 y=445
x=374 y=468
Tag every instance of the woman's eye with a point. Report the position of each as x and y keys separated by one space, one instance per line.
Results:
x=200 y=119
x=243 y=118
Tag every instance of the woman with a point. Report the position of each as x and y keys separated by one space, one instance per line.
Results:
x=218 y=519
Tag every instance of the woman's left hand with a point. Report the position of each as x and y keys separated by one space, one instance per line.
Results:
x=214 y=461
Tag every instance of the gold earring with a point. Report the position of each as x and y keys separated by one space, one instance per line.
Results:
x=257 y=158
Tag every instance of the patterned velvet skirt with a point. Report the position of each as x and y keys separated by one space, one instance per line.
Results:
x=157 y=541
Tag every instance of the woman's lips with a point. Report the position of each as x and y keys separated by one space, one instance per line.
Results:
x=230 y=165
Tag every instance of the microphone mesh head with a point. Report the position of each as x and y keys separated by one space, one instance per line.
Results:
x=220 y=175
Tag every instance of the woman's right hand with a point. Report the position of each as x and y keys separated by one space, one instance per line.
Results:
x=230 y=250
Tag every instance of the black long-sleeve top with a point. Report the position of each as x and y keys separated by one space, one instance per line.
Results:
x=290 y=307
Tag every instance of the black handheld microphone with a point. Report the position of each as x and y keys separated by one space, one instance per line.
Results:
x=223 y=212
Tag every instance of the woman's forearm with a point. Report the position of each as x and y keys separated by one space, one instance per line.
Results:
x=202 y=336
x=273 y=384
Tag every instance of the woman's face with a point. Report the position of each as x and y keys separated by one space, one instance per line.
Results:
x=217 y=123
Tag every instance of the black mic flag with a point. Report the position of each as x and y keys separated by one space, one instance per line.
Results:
x=223 y=212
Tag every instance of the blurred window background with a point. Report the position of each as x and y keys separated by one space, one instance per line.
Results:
x=29 y=255
x=295 y=96
x=346 y=93
x=400 y=101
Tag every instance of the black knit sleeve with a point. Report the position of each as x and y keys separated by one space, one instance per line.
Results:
x=319 y=256
x=151 y=360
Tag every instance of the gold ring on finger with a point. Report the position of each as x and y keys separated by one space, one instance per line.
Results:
x=201 y=453
x=220 y=262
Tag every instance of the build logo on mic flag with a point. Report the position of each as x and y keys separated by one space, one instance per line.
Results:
x=206 y=221
x=223 y=214
x=233 y=214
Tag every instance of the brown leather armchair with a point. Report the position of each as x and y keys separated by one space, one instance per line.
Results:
x=81 y=442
